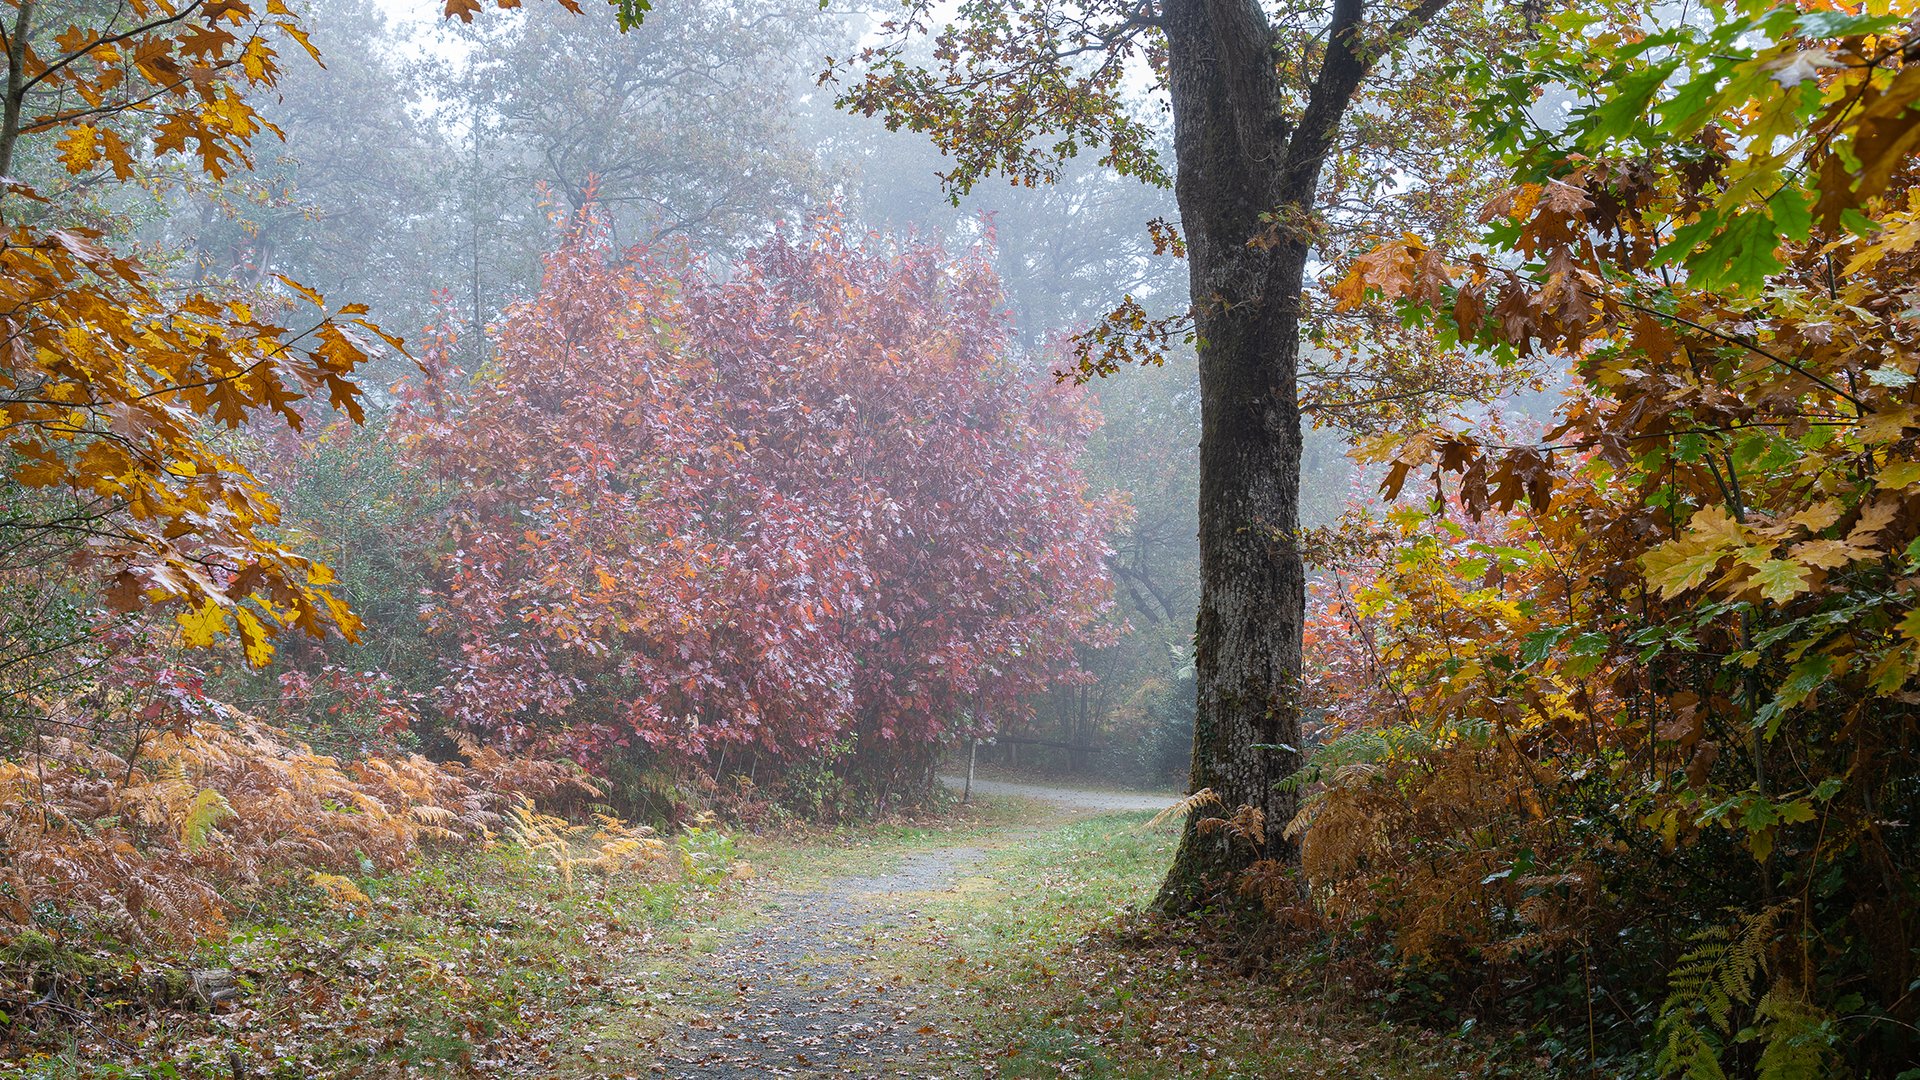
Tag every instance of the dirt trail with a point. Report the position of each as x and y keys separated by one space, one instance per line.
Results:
x=1071 y=798
x=808 y=1001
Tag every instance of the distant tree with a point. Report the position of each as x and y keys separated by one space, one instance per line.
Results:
x=364 y=193
x=900 y=407
x=684 y=134
x=1063 y=251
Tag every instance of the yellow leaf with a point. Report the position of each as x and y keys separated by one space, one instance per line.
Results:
x=1781 y=580
x=253 y=637
x=1888 y=425
x=209 y=808
x=200 y=626
x=340 y=892
x=1826 y=554
x=300 y=37
x=1820 y=515
x=312 y=296
x=1896 y=475
x=80 y=147
x=1877 y=515
x=1675 y=567
x=257 y=60
x=1714 y=525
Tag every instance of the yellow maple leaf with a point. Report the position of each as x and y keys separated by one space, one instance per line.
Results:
x=1675 y=567
x=253 y=637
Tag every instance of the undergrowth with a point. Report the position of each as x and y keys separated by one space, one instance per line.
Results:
x=460 y=965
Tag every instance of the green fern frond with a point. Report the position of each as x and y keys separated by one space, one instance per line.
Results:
x=208 y=809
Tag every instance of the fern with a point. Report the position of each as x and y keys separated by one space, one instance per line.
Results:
x=1199 y=800
x=148 y=848
x=208 y=809
x=1797 y=1036
x=1719 y=975
x=340 y=892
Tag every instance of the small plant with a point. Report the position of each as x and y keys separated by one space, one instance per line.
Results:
x=707 y=854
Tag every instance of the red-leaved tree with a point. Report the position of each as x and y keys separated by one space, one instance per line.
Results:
x=812 y=500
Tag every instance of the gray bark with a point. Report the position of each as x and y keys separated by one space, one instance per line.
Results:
x=1239 y=155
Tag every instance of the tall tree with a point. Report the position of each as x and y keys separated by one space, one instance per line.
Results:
x=1275 y=147
x=684 y=134
x=359 y=197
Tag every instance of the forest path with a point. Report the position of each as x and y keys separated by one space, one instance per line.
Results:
x=809 y=992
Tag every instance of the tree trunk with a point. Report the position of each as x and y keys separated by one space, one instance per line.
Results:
x=1237 y=158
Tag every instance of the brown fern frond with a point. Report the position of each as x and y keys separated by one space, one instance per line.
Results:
x=1203 y=799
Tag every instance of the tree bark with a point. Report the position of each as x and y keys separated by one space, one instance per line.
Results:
x=16 y=85
x=1238 y=156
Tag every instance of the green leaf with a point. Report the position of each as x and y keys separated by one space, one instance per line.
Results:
x=1632 y=95
x=1742 y=256
x=1792 y=213
x=1806 y=677
x=1540 y=644
x=1586 y=654
x=1795 y=812
x=1781 y=580
x=634 y=12
x=1759 y=814
x=1837 y=24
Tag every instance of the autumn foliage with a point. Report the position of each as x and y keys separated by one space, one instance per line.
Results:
x=1651 y=713
x=113 y=375
x=811 y=501
x=151 y=834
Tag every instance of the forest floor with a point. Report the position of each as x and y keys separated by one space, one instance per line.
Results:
x=1002 y=940
x=997 y=945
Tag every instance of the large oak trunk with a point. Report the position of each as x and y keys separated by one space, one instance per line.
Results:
x=1231 y=146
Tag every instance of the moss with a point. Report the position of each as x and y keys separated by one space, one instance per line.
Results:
x=32 y=949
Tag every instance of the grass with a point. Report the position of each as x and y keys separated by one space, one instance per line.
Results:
x=455 y=966
x=1067 y=978
x=482 y=962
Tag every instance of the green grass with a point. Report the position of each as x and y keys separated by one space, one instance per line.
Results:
x=471 y=962
x=1067 y=979
x=799 y=856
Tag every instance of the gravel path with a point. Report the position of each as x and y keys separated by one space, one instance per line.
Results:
x=807 y=999
x=1072 y=798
